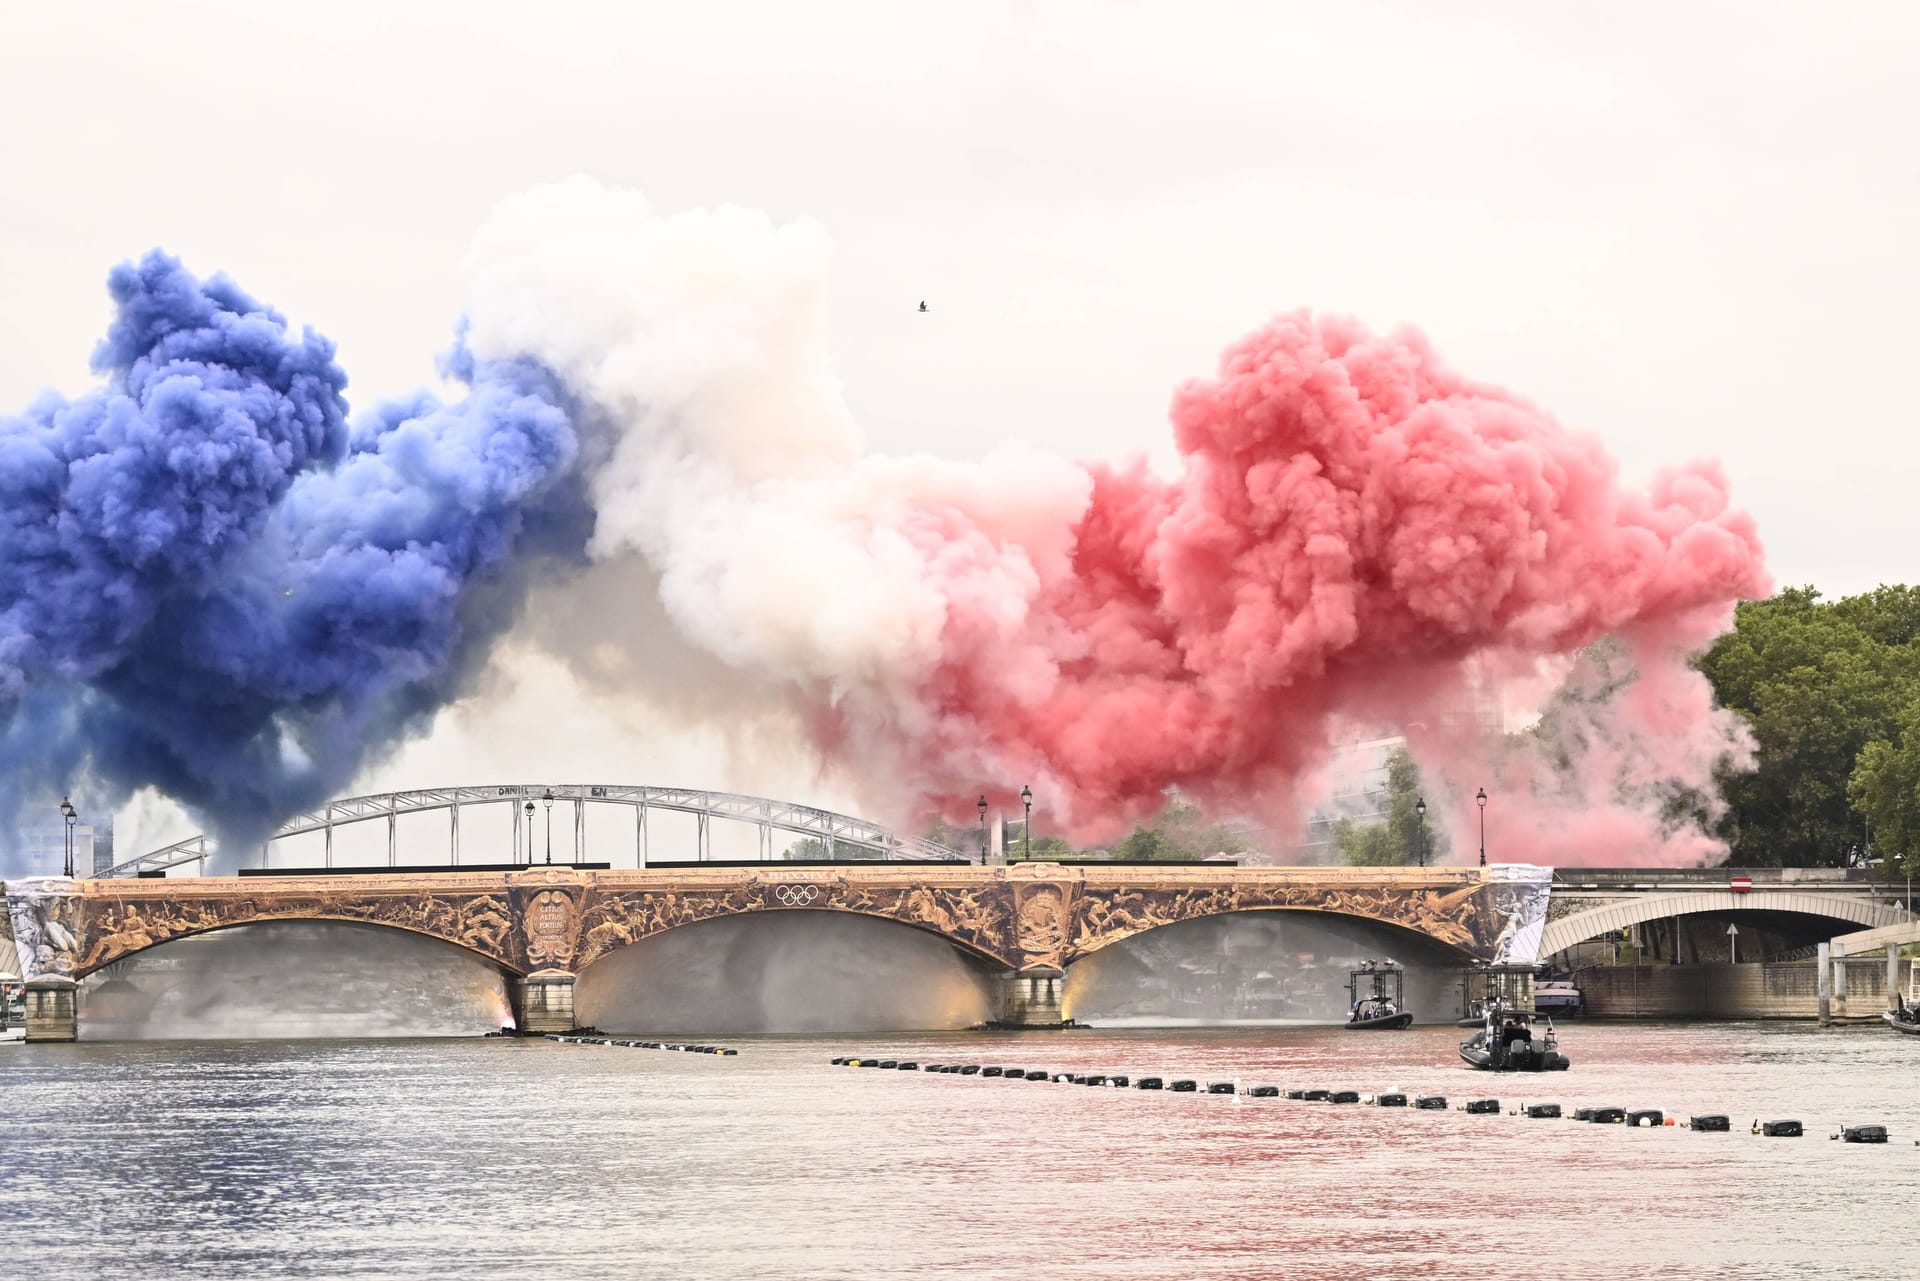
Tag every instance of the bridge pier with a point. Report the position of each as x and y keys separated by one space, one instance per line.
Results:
x=53 y=1008
x=543 y=1002
x=1029 y=998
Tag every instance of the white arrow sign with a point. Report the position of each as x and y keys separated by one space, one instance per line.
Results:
x=1733 y=942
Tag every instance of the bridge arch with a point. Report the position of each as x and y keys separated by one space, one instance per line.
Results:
x=1457 y=950
x=974 y=923
x=1579 y=927
x=128 y=927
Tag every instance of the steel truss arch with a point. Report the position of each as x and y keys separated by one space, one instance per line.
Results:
x=833 y=830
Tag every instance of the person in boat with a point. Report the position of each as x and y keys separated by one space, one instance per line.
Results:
x=1516 y=1030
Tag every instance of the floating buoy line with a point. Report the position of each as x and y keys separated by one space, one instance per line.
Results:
x=1639 y=1118
x=688 y=1046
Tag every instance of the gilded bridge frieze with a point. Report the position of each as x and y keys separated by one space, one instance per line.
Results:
x=1025 y=916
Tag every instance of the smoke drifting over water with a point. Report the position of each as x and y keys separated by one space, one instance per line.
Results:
x=784 y=972
x=249 y=596
x=280 y=980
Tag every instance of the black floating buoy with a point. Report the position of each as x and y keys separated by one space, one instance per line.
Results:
x=729 y=1053
x=1864 y=1133
x=1296 y=1094
x=1778 y=1129
x=1647 y=1116
x=1390 y=1100
x=1343 y=1096
x=841 y=1061
x=1273 y=1091
x=1314 y=1096
x=1183 y=1087
x=907 y=1065
x=934 y=1067
x=1220 y=1087
x=1037 y=1074
x=1065 y=1078
x=888 y=1063
x=1147 y=1083
x=1606 y=1116
x=1431 y=1102
x=1090 y=1080
x=1713 y=1124
x=1482 y=1107
x=990 y=1071
x=1540 y=1110
x=971 y=1069
x=873 y=1063
x=1118 y=1082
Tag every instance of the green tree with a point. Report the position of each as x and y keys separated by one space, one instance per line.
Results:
x=1817 y=683
x=1401 y=837
x=1885 y=788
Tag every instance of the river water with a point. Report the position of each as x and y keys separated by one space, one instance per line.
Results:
x=502 y=1158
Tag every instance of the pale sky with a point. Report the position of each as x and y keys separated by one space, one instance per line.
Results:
x=1685 y=227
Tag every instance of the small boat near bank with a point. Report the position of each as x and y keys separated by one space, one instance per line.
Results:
x=1903 y=1017
x=1377 y=1010
x=1505 y=1043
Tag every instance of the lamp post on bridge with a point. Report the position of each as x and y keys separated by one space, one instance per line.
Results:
x=1026 y=798
x=1420 y=809
x=983 y=830
x=548 y=798
x=68 y=813
x=1482 y=800
x=529 y=834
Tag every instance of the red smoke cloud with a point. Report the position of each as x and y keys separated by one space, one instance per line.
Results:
x=1354 y=526
x=1355 y=534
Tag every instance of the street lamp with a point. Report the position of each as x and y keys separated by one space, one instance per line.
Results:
x=529 y=833
x=548 y=798
x=983 y=830
x=1026 y=798
x=1482 y=799
x=68 y=813
x=1420 y=809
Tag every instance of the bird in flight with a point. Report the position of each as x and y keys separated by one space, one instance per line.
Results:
x=923 y=306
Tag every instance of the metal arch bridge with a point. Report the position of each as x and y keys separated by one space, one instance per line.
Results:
x=831 y=829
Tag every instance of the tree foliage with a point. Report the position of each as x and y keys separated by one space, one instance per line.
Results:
x=1831 y=691
x=1401 y=837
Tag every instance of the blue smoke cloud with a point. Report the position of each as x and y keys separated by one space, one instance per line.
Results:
x=211 y=584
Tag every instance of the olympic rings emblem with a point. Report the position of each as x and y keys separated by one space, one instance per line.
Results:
x=796 y=895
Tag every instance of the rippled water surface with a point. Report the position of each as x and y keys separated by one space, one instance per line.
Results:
x=528 y=1158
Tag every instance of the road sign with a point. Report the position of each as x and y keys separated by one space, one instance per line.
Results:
x=1733 y=942
x=1732 y=930
x=1740 y=884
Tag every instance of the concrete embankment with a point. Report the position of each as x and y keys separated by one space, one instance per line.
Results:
x=1759 y=990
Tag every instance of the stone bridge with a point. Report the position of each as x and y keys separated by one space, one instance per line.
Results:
x=543 y=925
x=1023 y=923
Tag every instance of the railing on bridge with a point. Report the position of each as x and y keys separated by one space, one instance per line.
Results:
x=834 y=831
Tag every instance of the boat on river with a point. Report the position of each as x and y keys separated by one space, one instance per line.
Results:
x=1377 y=1010
x=1505 y=1043
x=1903 y=1017
x=1556 y=996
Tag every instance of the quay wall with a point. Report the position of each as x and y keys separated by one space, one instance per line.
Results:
x=1754 y=990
